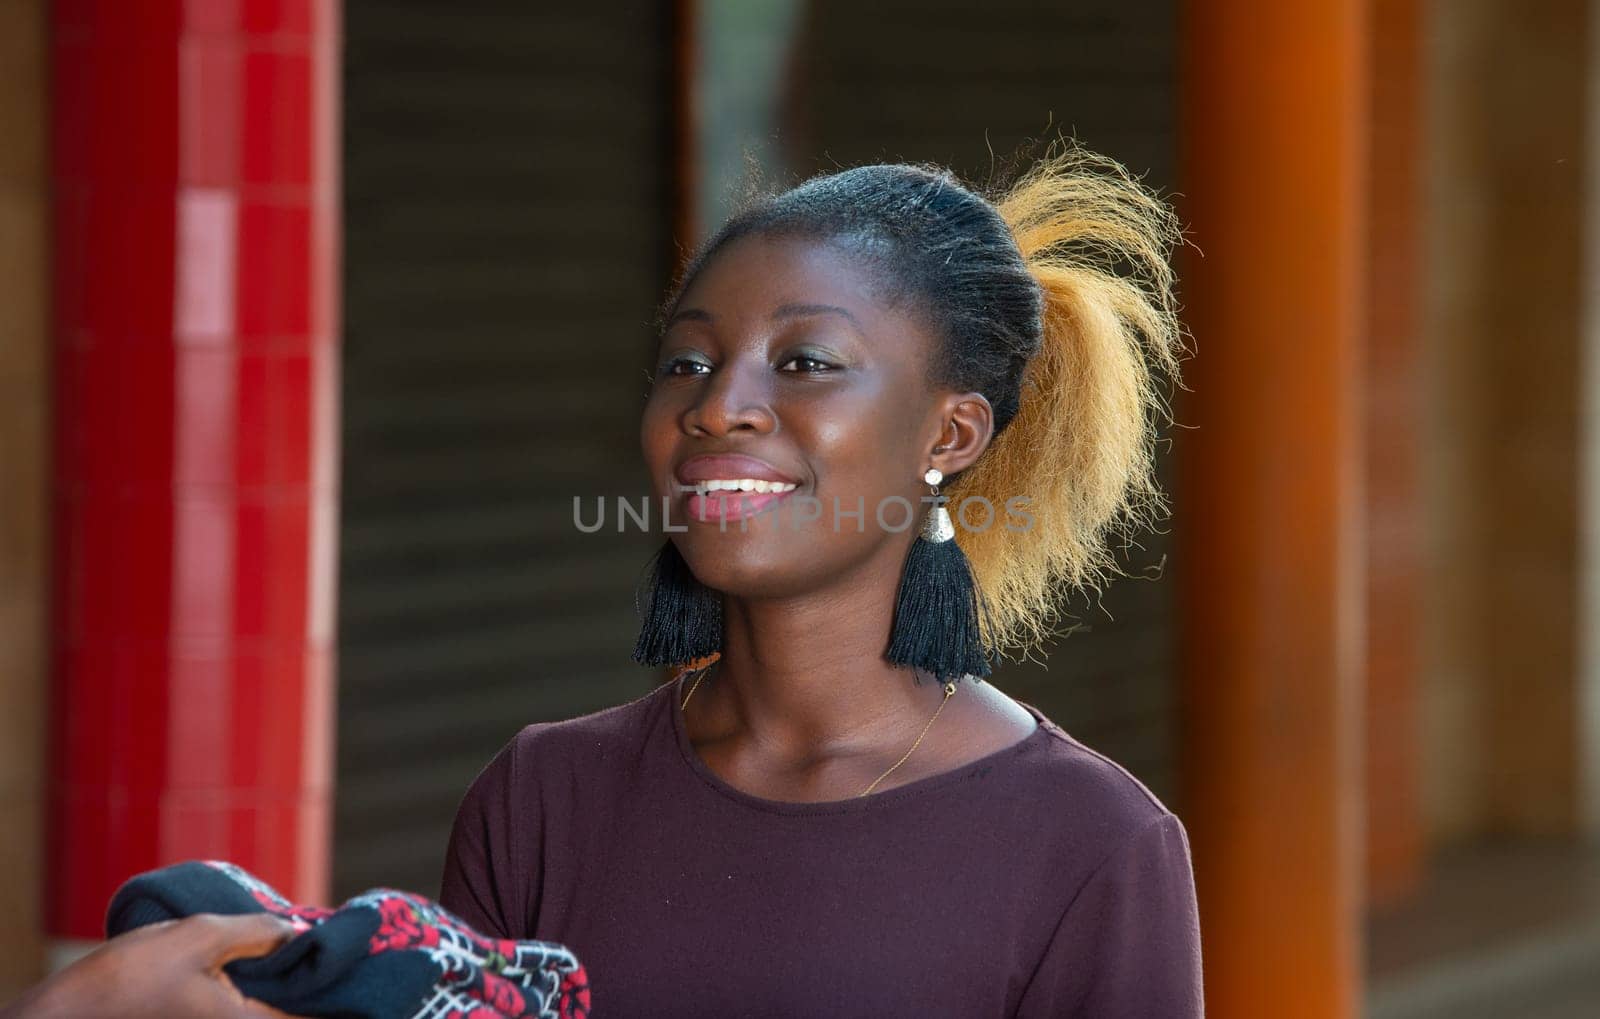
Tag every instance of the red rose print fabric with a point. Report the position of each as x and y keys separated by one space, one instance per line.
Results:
x=384 y=954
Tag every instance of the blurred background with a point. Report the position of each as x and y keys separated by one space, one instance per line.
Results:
x=315 y=316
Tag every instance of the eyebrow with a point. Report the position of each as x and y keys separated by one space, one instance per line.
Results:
x=802 y=310
x=686 y=315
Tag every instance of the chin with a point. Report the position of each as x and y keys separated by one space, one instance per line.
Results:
x=767 y=566
x=752 y=566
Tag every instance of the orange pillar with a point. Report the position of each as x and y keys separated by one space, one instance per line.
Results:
x=1269 y=562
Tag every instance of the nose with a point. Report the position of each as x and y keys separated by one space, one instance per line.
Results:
x=733 y=399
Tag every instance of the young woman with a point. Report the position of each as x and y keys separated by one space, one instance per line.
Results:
x=807 y=825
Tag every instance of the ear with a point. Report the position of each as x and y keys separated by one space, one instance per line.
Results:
x=962 y=425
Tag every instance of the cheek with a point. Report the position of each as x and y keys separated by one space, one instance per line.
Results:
x=866 y=452
x=656 y=433
x=658 y=449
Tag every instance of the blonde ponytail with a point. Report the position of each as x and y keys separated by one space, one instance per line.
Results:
x=1081 y=447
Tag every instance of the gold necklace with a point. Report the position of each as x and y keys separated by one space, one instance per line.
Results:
x=949 y=688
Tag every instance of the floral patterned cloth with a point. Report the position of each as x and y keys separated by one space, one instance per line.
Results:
x=384 y=954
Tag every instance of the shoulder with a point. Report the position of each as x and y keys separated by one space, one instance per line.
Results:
x=549 y=776
x=1082 y=795
x=589 y=744
x=1126 y=937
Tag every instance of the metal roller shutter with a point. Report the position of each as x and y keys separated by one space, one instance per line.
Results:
x=506 y=245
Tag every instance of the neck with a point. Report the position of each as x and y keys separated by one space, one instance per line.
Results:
x=805 y=677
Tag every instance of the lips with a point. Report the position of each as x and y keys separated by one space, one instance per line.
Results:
x=724 y=466
x=723 y=504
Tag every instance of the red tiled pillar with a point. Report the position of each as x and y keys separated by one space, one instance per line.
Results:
x=194 y=169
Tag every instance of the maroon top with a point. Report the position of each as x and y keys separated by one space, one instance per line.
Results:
x=1041 y=880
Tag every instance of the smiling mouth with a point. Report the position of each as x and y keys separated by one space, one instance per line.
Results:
x=733 y=498
x=737 y=485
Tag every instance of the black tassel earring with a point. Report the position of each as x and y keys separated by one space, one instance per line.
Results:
x=681 y=618
x=936 y=615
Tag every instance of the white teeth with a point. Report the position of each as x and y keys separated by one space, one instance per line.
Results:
x=745 y=485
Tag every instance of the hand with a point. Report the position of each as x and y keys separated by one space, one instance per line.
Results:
x=165 y=969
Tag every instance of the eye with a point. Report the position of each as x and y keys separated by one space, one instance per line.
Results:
x=808 y=365
x=684 y=365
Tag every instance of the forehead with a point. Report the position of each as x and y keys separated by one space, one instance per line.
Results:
x=752 y=276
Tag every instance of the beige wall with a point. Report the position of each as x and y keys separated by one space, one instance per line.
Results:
x=1589 y=490
x=1456 y=602
x=1505 y=176
x=23 y=506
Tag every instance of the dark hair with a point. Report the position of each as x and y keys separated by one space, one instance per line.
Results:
x=937 y=247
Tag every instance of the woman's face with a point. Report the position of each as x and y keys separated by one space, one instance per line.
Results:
x=780 y=352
